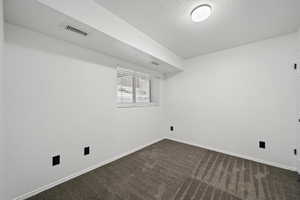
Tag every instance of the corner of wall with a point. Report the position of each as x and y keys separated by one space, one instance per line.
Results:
x=2 y=129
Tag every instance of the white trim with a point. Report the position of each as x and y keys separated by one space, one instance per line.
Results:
x=238 y=155
x=298 y=165
x=76 y=174
x=135 y=105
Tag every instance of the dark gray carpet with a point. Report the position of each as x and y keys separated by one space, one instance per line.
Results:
x=174 y=171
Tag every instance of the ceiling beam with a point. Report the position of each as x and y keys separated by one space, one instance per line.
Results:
x=99 y=18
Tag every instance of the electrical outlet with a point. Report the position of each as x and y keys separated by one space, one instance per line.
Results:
x=55 y=160
x=171 y=128
x=86 y=151
x=262 y=144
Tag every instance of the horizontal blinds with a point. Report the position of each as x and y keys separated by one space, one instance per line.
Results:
x=133 y=87
x=127 y=72
x=125 y=86
x=124 y=72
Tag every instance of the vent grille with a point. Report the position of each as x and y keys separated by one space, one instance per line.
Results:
x=76 y=30
x=154 y=63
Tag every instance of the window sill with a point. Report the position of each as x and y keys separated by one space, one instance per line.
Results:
x=137 y=105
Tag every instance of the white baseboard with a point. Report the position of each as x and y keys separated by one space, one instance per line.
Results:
x=298 y=166
x=74 y=175
x=238 y=155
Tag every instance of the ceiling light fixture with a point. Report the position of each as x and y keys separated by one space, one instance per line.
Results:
x=201 y=12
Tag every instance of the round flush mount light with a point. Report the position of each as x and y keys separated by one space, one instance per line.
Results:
x=201 y=12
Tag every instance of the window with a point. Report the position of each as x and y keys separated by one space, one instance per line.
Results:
x=142 y=89
x=125 y=87
x=133 y=87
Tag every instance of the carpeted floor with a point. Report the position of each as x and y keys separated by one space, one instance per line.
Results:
x=169 y=170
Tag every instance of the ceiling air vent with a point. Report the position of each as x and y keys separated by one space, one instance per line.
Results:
x=76 y=30
x=154 y=63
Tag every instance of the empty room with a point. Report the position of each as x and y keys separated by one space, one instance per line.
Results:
x=149 y=99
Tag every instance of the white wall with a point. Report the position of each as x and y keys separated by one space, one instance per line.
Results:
x=59 y=98
x=298 y=99
x=230 y=100
x=58 y=104
x=2 y=130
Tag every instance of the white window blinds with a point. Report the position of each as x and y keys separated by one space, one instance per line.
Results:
x=133 y=87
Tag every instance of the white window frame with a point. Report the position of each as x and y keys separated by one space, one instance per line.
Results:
x=136 y=74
